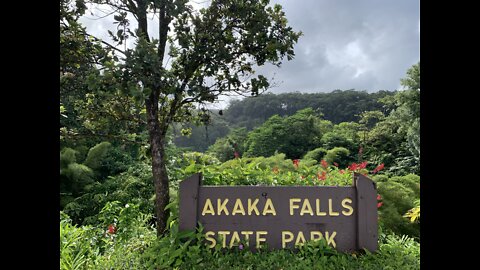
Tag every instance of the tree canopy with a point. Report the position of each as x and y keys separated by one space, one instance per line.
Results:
x=211 y=51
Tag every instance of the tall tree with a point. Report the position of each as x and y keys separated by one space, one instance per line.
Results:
x=293 y=135
x=395 y=138
x=408 y=111
x=211 y=51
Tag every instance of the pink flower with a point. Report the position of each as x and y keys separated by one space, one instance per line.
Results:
x=379 y=204
x=379 y=197
x=240 y=246
x=341 y=171
x=236 y=154
x=336 y=164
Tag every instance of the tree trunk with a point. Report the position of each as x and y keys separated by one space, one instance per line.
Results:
x=157 y=131
x=159 y=169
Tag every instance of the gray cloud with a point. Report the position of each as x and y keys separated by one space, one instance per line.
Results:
x=360 y=44
x=363 y=44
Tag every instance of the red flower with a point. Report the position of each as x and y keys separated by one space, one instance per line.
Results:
x=362 y=165
x=379 y=168
x=236 y=154
x=295 y=162
x=303 y=177
x=322 y=176
x=353 y=167
x=379 y=204
x=112 y=229
x=379 y=197
x=324 y=164
x=336 y=164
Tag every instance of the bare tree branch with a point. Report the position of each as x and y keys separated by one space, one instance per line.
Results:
x=104 y=42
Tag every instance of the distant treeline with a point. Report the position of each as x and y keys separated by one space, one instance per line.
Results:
x=337 y=106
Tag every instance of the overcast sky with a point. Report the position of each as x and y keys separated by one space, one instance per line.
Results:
x=360 y=44
x=346 y=44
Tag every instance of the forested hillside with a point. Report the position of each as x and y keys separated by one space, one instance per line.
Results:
x=336 y=106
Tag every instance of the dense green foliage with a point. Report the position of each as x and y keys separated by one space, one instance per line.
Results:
x=316 y=154
x=337 y=107
x=226 y=147
x=203 y=135
x=339 y=155
x=293 y=135
x=399 y=194
x=390 y=136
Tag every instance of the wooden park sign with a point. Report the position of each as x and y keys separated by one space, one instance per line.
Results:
x=282 y=216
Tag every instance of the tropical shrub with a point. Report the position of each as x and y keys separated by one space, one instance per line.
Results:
x=316 y=154
x=117 y=241
x=77 y=245
x=398 y=196
x=339 y=155
x=132 y=186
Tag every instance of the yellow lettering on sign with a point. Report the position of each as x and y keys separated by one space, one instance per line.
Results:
x=259 y=239
x=222 y=206
x=247 y=236
x=346 y=206
x=315 y=235
x=319 y=213
x=284 y=239
x=211 y=239
x=223 y=235
x=208 y=208
x=235 y=238
x=253 y=207
x=294 y=206
x=300 y=239
x=269 y=209
x=238 y=208
x=330 y=239
x=330 y=210
x=306 y=208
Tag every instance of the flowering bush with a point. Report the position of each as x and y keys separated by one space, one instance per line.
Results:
x=396 y=194
x=276 y=170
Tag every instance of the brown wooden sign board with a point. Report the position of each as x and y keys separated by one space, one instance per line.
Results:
x=282 y=216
